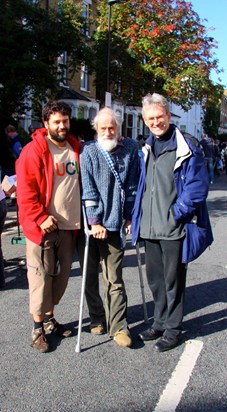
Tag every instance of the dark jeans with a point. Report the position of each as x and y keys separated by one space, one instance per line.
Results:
x=210 y=167
x=3 y=211
x=166 y=276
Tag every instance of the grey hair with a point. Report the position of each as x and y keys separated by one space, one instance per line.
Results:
x=155 y=98
x=100 y=113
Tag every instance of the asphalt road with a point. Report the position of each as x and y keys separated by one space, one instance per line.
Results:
x=105 y=377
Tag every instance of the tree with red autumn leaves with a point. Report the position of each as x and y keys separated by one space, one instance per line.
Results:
x=156 y=46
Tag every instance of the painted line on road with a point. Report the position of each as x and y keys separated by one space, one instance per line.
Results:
x=173 y=392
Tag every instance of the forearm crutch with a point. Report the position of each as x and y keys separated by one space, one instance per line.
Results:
x=141 y=282
x=84 y=274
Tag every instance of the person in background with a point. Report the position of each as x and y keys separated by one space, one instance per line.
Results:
x=16 y=141
x=48 y=194
x=3 y=212
x=7 y=158
x=31 y=130
x=140 y=141
x=172 y=191
x=218 y=165
x=109 y=174
x=209 y=156
x=224 y=156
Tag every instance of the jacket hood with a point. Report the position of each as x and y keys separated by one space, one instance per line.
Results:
x=183 y=150
x=39 y=137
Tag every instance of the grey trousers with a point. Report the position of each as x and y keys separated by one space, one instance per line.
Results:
x=110 y=255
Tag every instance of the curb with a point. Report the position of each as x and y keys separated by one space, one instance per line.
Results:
x=11 y=218
x=10 y=223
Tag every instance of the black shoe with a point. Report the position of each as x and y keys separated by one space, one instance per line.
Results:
x=166 y=343
x=150 y=334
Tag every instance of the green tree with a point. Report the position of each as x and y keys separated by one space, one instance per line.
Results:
x=158 y=45
x=31 y=41
x=211 y=120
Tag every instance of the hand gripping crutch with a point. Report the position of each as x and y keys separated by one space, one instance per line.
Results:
x=141 y=282
x=84 y=274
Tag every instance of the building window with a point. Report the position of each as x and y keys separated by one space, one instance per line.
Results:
x=118 y=87
x=128 y=125
x=80 y=112
x=139 y=124
x=62 y=69
x=92 y=113
x=86 y=15
x=84 y=78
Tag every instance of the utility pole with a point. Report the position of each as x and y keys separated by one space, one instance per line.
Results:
x=110 y=4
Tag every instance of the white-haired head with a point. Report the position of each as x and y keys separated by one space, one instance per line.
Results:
x=154 y=99
x=105 y=111
x=107 y=127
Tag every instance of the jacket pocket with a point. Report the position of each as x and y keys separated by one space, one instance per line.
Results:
x=195 y=243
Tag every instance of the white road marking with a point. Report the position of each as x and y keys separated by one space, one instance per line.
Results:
x=173 y=392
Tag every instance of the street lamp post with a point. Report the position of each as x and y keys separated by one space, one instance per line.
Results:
x=110 y=4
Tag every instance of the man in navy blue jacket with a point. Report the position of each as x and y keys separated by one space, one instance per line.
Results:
x=172 y=192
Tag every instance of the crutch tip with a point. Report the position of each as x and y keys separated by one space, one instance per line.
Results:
x=77 y=349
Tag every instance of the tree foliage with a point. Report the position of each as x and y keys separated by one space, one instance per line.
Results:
x=31 y=40
x=158 y=45
x=211 y=121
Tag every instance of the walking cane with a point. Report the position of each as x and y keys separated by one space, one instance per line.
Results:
x=18 y=239
x=84 y=274
x=141 y=282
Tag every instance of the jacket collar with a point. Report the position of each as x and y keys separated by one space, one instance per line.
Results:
x=183 y=151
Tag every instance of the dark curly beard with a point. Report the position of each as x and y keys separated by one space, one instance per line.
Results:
x=55 y=136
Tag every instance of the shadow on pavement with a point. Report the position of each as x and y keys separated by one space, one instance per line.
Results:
x=202 y=296
x=197 y=297
x=217 y=206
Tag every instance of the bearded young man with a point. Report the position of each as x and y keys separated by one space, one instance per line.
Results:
x=109 y=173
x=48 y=195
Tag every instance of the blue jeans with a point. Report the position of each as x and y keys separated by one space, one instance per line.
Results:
x=210 y=167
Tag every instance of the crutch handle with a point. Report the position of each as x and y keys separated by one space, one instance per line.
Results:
x=87 y=231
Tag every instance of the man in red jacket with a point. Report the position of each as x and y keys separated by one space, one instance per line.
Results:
x=48 y=195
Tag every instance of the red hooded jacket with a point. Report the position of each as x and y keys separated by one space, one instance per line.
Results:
x=35 y=171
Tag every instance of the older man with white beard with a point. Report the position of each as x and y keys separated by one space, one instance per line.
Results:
x=109 y=173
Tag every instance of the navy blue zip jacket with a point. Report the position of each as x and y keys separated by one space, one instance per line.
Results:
x=192 y=184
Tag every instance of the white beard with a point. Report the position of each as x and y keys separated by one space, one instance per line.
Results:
x=108 y=144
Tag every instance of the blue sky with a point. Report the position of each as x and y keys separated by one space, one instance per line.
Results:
x=215 y=11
